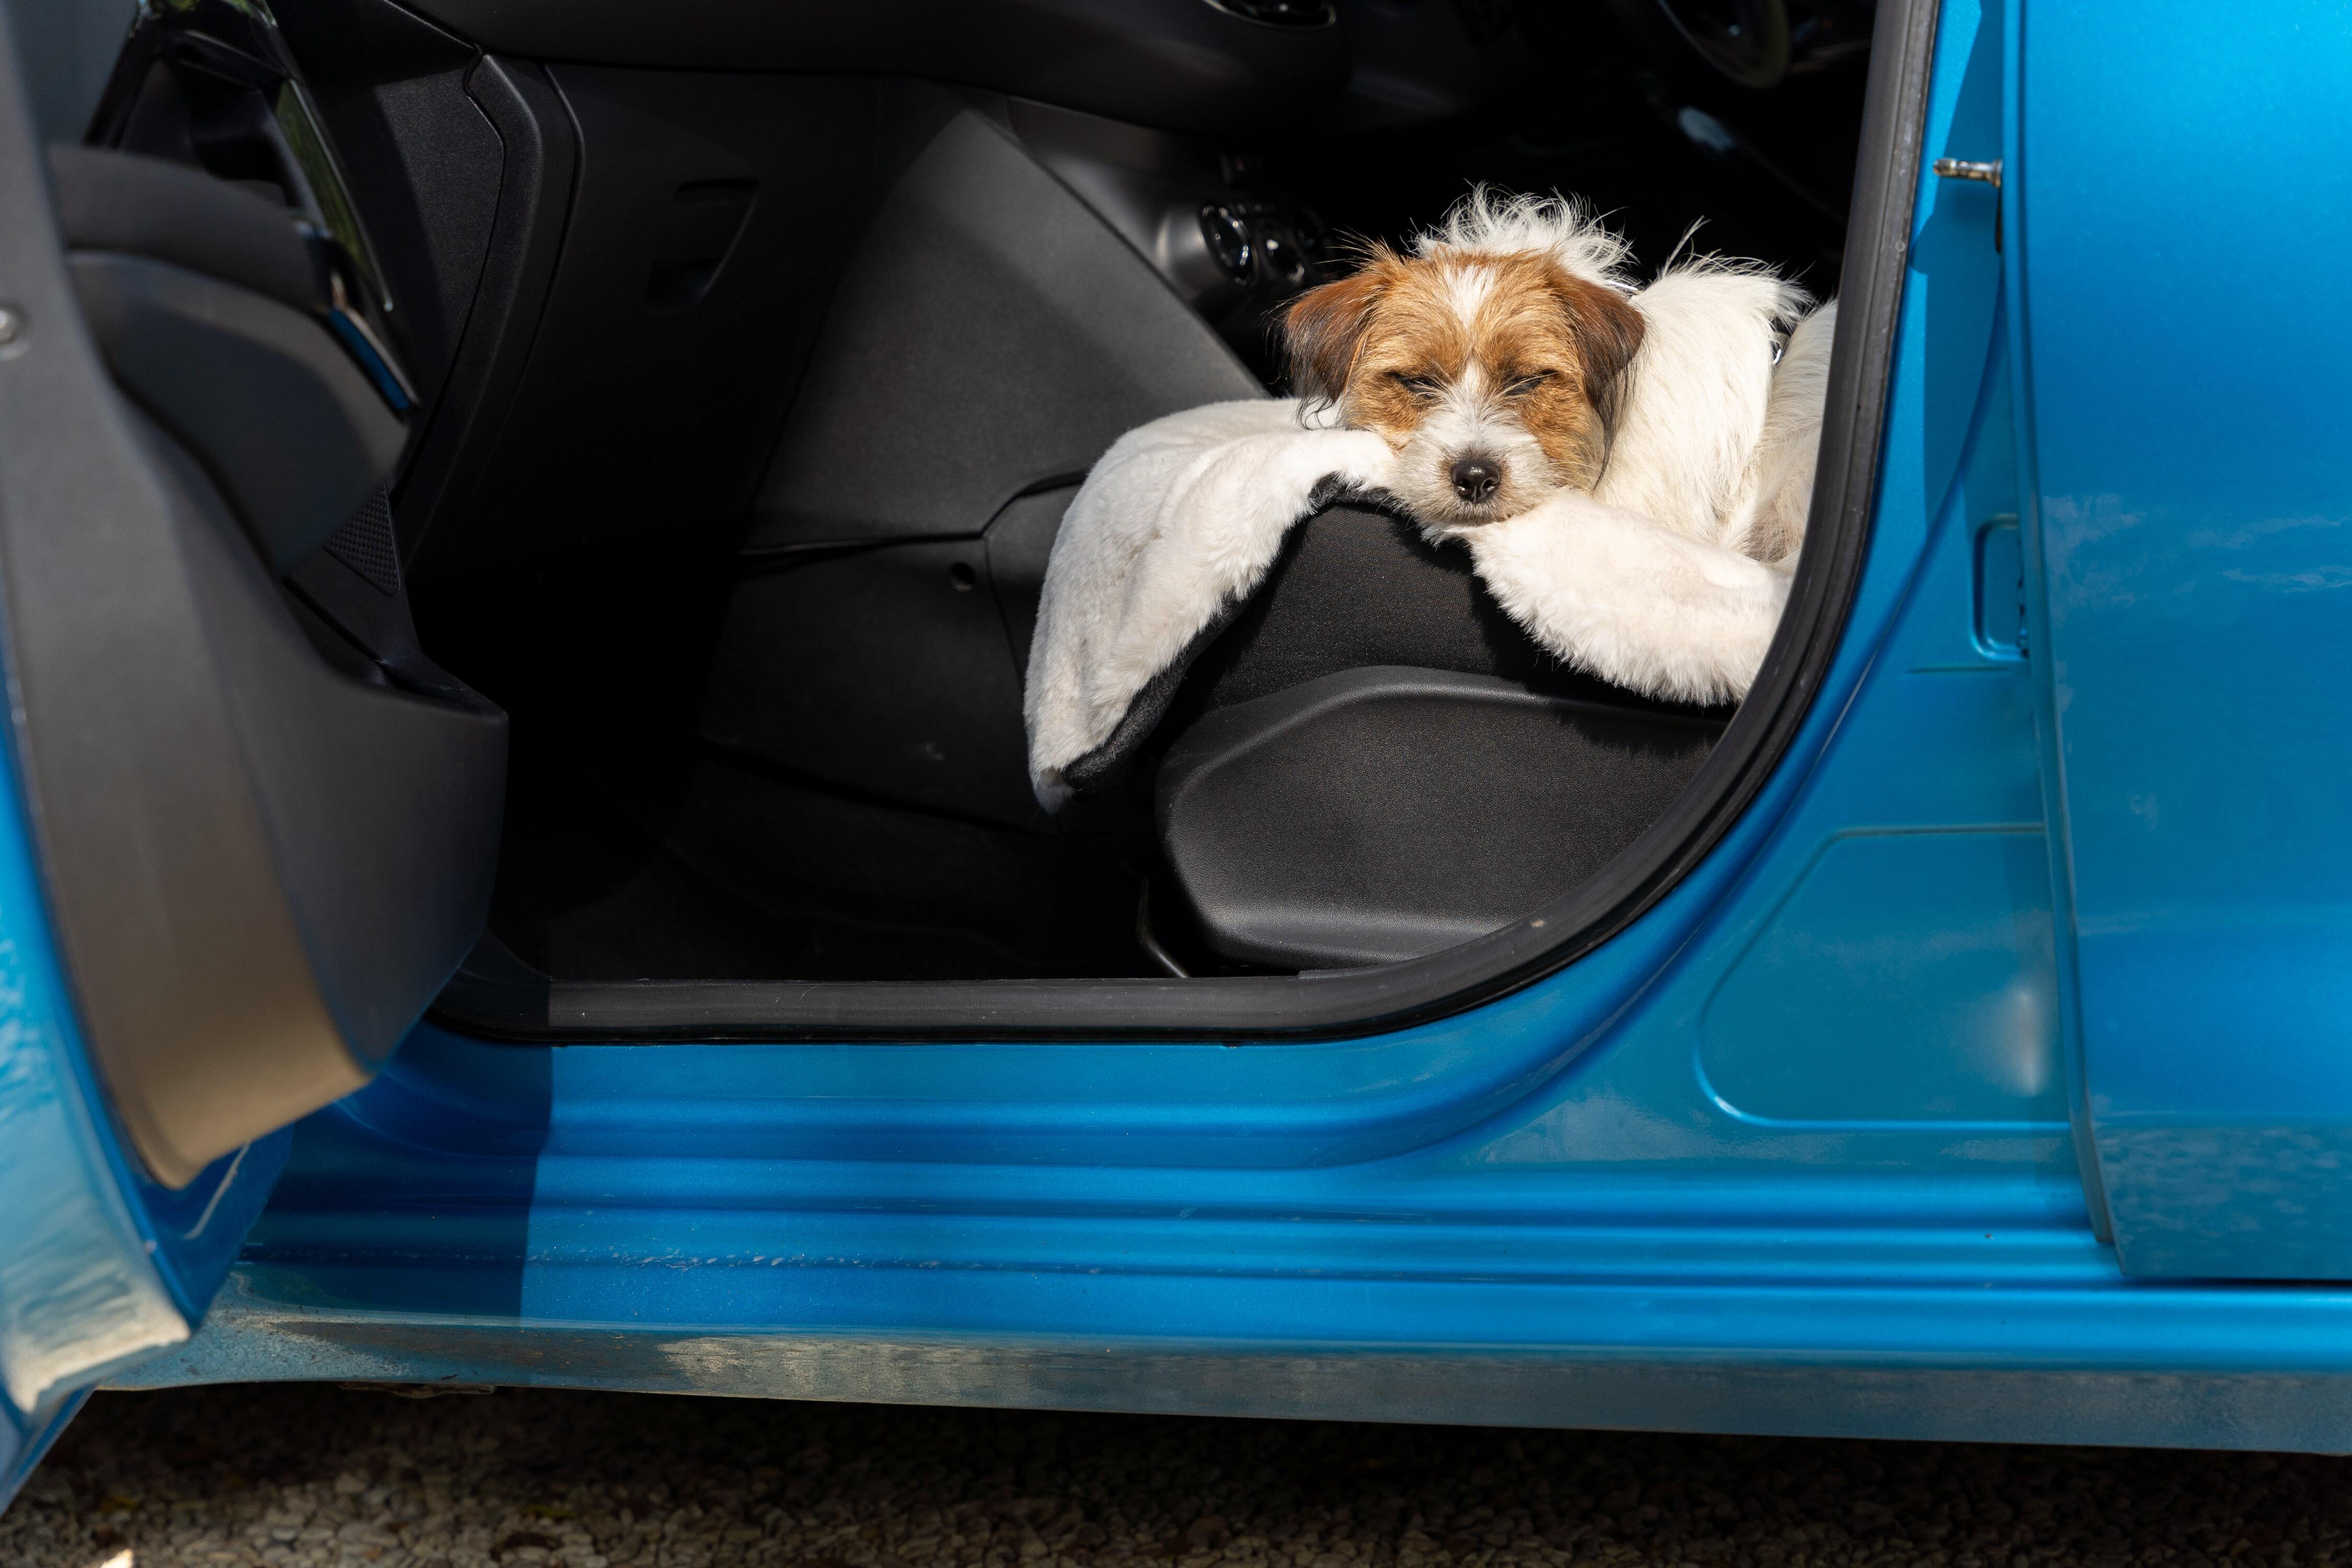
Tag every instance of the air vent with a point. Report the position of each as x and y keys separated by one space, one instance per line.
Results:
x=1282 y=13
x=696 y=234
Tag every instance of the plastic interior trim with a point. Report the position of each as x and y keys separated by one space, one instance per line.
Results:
x=482 y=1002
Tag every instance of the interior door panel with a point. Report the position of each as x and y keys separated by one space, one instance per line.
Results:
x=266 y=846
x=243 y=851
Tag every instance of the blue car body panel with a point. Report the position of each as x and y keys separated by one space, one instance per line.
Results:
x=2183 y=224
x=1828 y=1139
x=97 y=1265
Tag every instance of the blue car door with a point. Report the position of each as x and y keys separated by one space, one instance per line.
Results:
x=236 y=858
x=2181 y=216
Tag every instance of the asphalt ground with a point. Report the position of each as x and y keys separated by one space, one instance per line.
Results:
x=299 y=1475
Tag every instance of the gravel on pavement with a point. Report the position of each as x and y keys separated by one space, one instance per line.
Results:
x=309 y=1477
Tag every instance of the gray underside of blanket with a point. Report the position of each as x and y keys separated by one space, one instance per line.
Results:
x=1106 y=763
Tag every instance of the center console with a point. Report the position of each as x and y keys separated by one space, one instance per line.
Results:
x=1234 y=249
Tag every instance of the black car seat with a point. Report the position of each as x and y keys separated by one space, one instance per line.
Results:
x=1373 y=761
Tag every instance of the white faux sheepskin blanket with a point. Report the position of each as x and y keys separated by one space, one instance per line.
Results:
x=1184 y=516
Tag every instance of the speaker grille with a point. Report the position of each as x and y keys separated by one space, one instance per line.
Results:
x=365 y=544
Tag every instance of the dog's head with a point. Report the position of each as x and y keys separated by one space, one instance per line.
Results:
x=1494 y=377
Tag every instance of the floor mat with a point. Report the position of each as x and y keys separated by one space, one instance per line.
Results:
x=628 y=862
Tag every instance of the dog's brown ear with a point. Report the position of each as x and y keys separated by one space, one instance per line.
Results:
x=1608 y=334
x=1322 y=330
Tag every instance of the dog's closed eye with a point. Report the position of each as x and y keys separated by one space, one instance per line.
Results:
x=1419 y=385
x=1519 y=386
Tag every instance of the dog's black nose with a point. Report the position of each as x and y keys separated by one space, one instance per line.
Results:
x=1474 y=479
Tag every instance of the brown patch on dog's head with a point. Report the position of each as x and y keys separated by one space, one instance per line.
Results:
x=1560 y=347
x=1608 y=331
x=1325 y=326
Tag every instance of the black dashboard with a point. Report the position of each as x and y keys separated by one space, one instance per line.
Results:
x=1191 y=66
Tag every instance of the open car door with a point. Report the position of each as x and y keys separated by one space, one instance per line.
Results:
x=249 y=830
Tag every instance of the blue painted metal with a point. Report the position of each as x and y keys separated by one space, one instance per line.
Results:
x=2179 y=230
x=97 y=1266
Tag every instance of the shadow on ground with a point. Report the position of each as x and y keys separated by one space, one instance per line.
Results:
x=300 y=1475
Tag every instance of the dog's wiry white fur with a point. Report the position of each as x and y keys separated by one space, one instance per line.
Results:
x=1684 y=611
x=1770 y=526
x=1668 y=579
x=1486 y=224
x=1696 y=397
x=1641 y=605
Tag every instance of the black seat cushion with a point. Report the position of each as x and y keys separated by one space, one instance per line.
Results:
x=1355 y=587
x=1352 y=587
x=1381 y=813
x=1369 y=760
